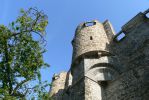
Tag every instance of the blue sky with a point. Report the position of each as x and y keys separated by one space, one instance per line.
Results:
x=64 y=16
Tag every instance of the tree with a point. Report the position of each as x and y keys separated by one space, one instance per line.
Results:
x=21 y=53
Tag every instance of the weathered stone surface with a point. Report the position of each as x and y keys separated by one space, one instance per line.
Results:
x=105 y=68
x=89 y=38
x=58 y=85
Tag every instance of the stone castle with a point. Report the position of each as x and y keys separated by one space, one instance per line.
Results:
x=106 y=66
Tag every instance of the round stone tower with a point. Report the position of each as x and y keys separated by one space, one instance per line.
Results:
x=93 y=62
x=89 y=37
x=58 y=85
x=91 y=47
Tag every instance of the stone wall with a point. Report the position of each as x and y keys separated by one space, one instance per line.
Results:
x=105 y=67
x=133 y=51
x=131 y=85
x=58 y=85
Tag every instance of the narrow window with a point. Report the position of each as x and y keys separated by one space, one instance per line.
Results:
x=87 y=24
x=91 y=38
x=120 y=36
x=147 y=15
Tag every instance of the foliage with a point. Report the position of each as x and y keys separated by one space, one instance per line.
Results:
x=40 y=92
x=21 y=54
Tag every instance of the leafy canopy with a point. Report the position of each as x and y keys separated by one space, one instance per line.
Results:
x=21 y=53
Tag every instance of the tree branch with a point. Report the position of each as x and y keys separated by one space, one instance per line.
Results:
x=20 y=84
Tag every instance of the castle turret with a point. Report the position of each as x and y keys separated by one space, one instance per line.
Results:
x=58 y=85
x=92 y=60
x=91 y=37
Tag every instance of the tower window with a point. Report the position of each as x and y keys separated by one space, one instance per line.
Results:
x=91 y=38
x=147 y=15
x=120 y=36
x=87 y=24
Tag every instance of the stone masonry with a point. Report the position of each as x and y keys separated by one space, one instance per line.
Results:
x=106 y=66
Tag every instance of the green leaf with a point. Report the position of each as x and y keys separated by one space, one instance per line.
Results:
x=17 y=28
x=22 y=55
x=12 y=23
